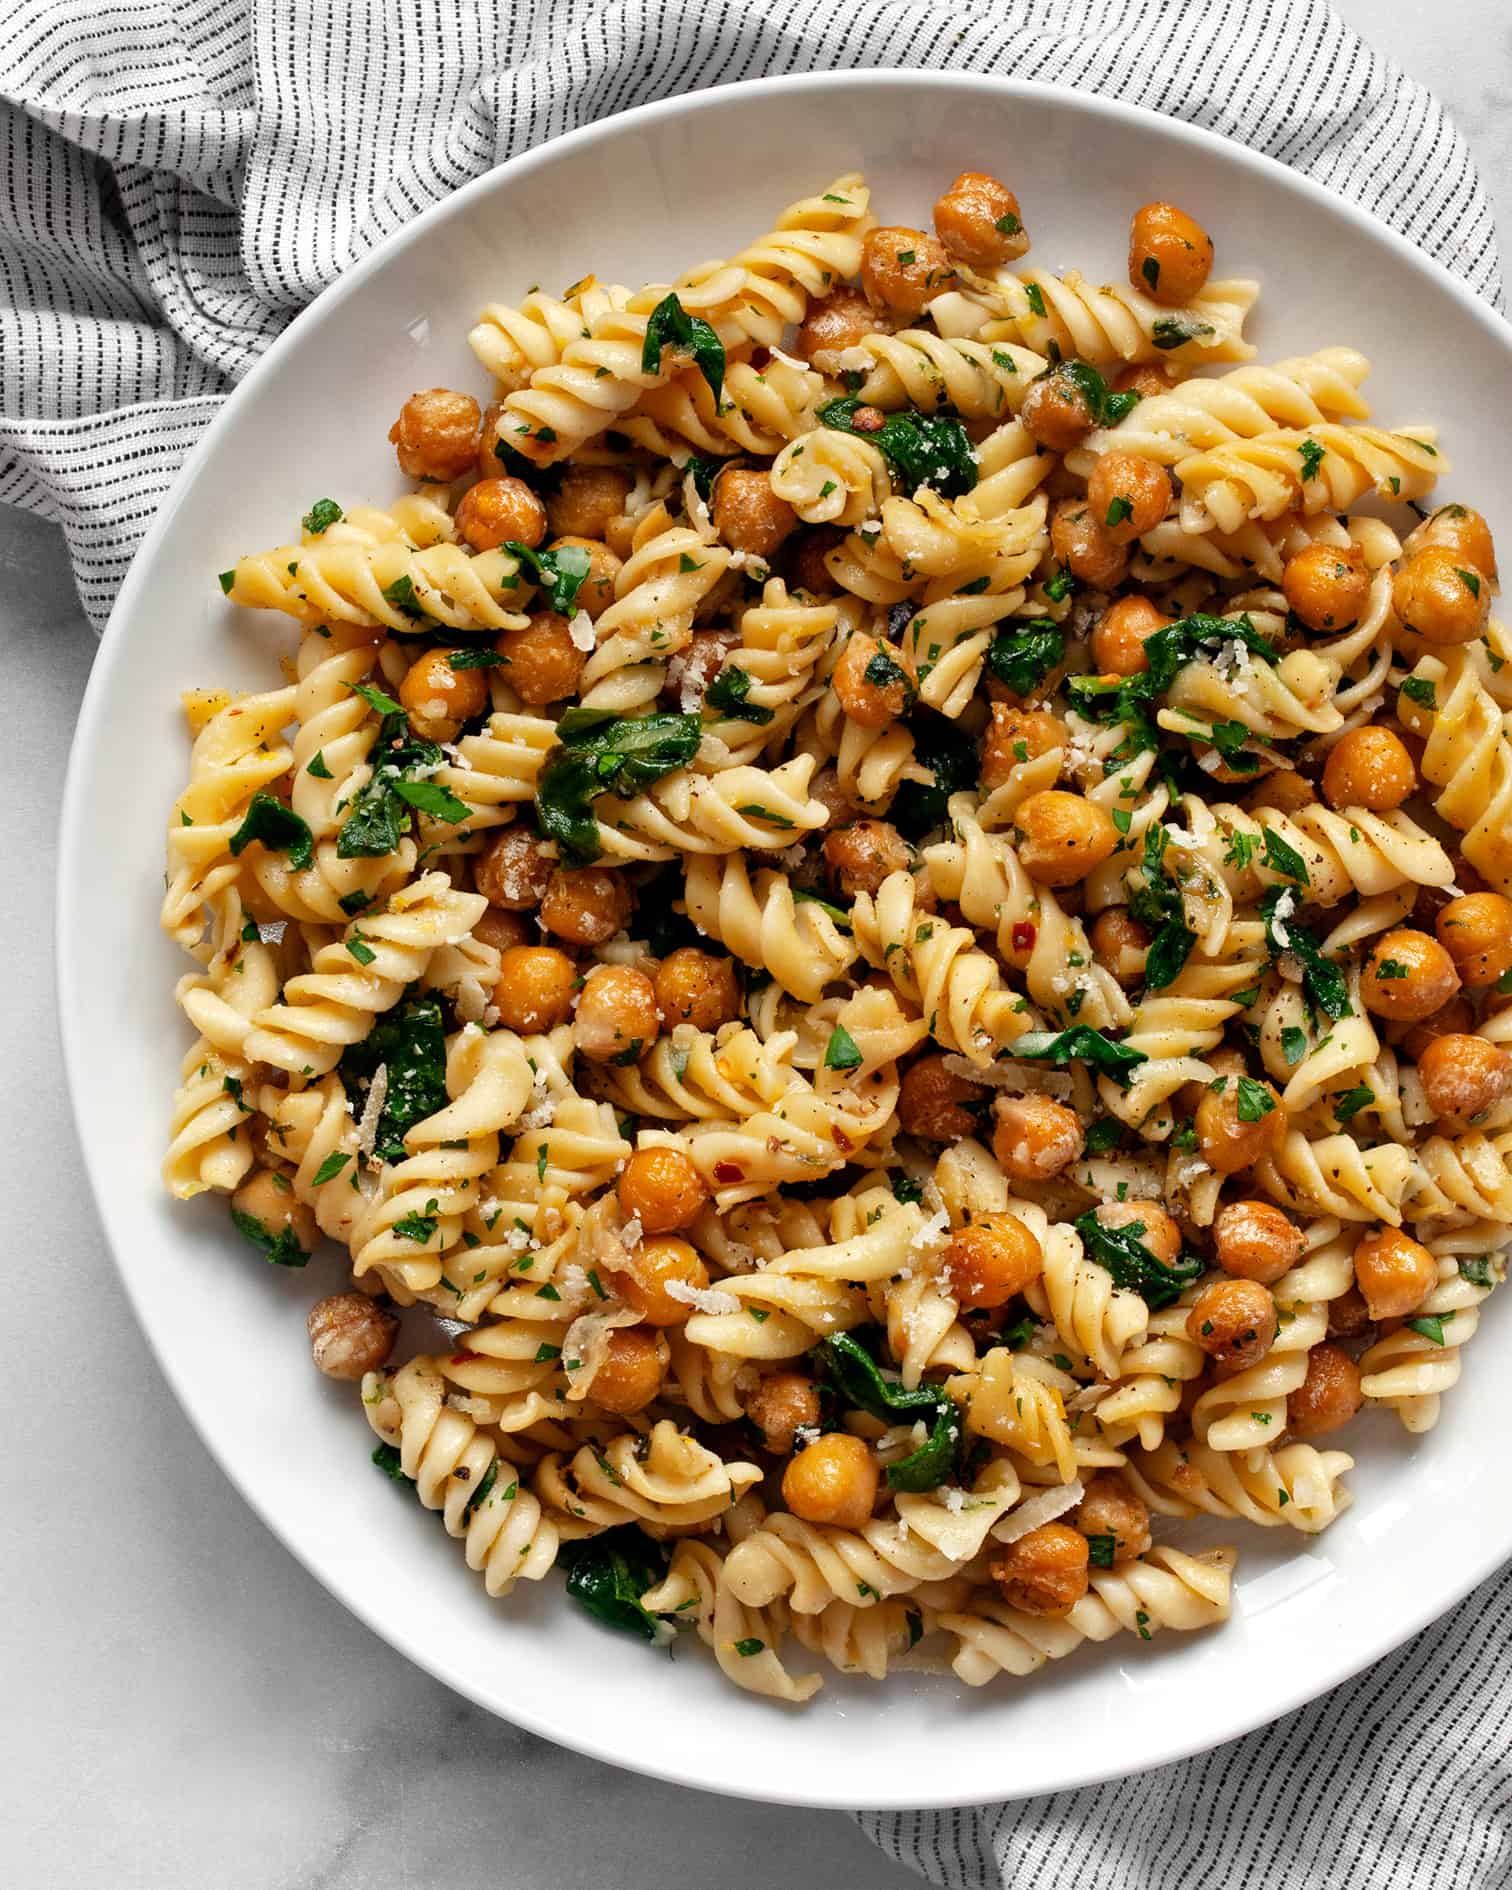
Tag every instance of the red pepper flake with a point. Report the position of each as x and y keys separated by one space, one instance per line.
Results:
x=725 y=1172
x=465 y=1358
x=1024 y=934
x=840 y=1138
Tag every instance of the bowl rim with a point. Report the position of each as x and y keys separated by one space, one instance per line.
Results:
x=1313 y=1678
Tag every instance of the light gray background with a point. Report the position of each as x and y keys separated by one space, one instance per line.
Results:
x=180 y=1704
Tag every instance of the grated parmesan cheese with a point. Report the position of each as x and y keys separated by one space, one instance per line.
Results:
x=1040 y=1509
x=932 y=1233
x=372 y=1109
x=580 y=630
x=1285 y=906
x=705 y=1299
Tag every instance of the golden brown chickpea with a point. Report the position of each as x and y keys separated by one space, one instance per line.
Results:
x=840 y=321
x=1129 y=493
x=1461 y=1076
x=544 y=663
x=588 y=501
x=660 y=1188
x=658 y=1267
x=586 y=905
x=502 y=930
x=748 y=515
x=1369 y=768
x=632 y=1372
x=1110 y=1508
x=1056 y=411
x=1407 y=976
x=991 y=1260
x=870 y=684
x=691 y=669
x=903 y=270
x=616 y=1019
x=439 y=699
x=695 y=987
x=1065 y=836
x=1227 y=1141
x=1327 y=586
x=498 y=510
x=269 y=1199
x=1394 y=1272
x=930 y=1100
x=861 y=856
x=1234 y=1322
x=1462 y=531
x=596 y=592
x=825 y=787
x=514 y=872
x=1170 y=255
x=833 y=1481
x=1118 y=639
x=436 y=434
x=979 y=223
x=535 y=988
x=1034 y=1137
x=1440 y=598
x=780 y=1405
x=350 y=1335
x=1452 y=1019
x=806 y=560
x=1348 y=1315
x=1156 y=1231
x=1014 y=736
x=1328 y=1397
x=1476 y=931
x=1145 y=378
x=1044 y=1572
x=1121 y=943
x=1081 y=543
x=1285 y=790
x=1254 y=1241
x=490 y=461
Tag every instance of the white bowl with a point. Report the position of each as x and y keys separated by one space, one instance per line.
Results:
x=636 y=199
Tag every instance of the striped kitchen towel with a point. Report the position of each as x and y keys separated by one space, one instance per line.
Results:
x=179 y=177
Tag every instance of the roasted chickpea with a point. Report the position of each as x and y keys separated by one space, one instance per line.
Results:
x=660 y=1188
x=616 y=1019
x=1065 y=836
x=1440 y=598
x=502 y=930
x=903 y=270
x=439 y=699
x=842 y=320
x=806 y=559
x=691 y=669
x=979 y=223
x=1461 y=1076
x=1329 y=1396
x=1145 y=378
x=490 y=461
x=544 y=664
x=1034 y=1137
x=1455 y=1018
x=1348 y=1315
x=1476 y=931
x=826 y=788
x=695 y=987
x=588 y=501
x=1234 y=1322
x=535 y=988
x=1369 y=768
x=268 y=1198
x=1407 y=976
x=991 y=1260
x=780 y=1405
x=1150 y=1225
x=350 y=1335
x=1129 y=493
x=632 y=1372
x=596 y=592
x=1170 y=255
x=931 y=1101
x=748 y=515
x=1014 y=736
x=869 y=682
x=515 y=871
x=660 y=1267
x=1081 y=543
x=861 y=856
x=1327 y=586
x=833 y=1481
x=1118 y=638
x=1284 y=790
x=585 y=905
x=1056 y=410
x=1044 y=1572
x=1226 y=1139
x=498 y=510
x=1110 y=1508
x=1394 y=1272
x=1121 y=943
x=1254 y=1241
x=1462 y=531
x=436 y=434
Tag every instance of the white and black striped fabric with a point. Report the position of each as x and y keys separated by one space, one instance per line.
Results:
x=179 y=177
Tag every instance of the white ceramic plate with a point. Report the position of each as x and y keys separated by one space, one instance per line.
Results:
x=637 y=199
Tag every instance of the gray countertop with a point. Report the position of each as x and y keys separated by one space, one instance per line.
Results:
x=183 y=1705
